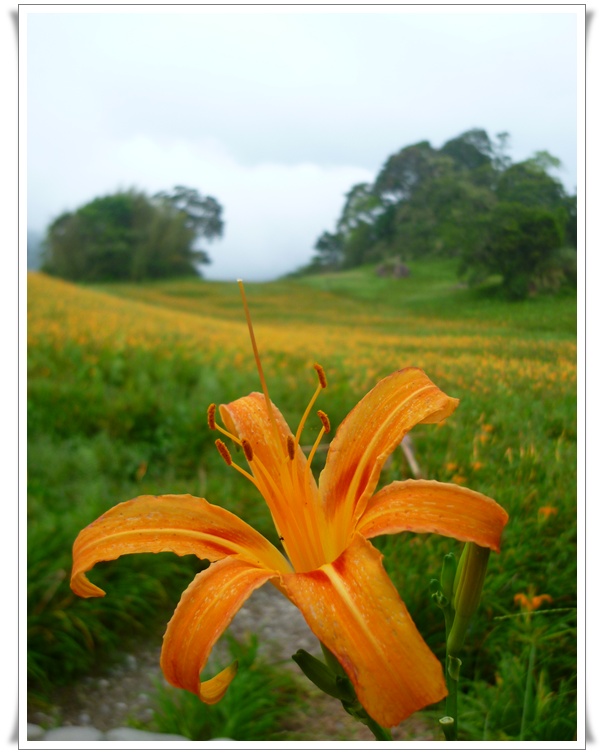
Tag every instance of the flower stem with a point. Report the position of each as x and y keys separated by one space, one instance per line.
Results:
x=381 y=734
x=449 y=722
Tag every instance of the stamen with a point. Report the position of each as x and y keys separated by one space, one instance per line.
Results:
x=321 y=386
x=247 y=449
x=291 y=447
x=306 y=413
x=213 y=424
x=325 y=428
x=224 y=452
x=321 y=375
x=324 y=420
x=228 y=434
x=311 y=455
x=212 y=416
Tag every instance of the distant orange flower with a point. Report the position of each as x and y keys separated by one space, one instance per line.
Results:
x=531 y=601
x=547 y=510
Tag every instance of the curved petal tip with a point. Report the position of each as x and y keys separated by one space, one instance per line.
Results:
x=212 y=691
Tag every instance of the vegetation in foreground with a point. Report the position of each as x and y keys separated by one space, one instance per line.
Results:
x=264 y=706
x=119 y=380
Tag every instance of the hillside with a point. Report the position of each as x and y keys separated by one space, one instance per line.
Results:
x=431 y=297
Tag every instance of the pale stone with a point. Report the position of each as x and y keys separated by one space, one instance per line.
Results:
x=74 y=733
x=132 y=734
x=34 y=732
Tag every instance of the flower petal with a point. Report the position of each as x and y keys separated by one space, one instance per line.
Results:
x=368 y=435
x=286 y=483
x=249 y=419
x=182 y=524
x=204 y=612
x=212 y=691
x=434 y=507
x=354 y=609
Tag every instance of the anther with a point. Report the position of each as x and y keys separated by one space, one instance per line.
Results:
x=321 y=375
x=224 y=452
x=212 y=416
x=324 y=420
x=291 y=447
x=247 y=449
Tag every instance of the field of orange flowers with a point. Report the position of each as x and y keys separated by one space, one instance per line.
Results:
x=119 y=379
x=361 y=343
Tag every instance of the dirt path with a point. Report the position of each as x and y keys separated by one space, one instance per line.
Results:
x=124 y=692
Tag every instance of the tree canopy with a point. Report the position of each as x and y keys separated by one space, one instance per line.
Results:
x=130 y=236
x=466 y=200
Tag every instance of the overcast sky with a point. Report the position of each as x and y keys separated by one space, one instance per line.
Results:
x=278 y=114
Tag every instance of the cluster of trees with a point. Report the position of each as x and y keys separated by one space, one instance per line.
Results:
x=131 y=236
x=465 y=200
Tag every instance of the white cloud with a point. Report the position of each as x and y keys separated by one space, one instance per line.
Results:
x=273 y=212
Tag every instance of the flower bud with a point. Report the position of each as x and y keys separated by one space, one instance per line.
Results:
x=467 y=590
x=447 y=576
x=323 y=676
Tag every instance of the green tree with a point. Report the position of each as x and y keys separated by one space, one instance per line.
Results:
x=361 y=206
x=357 y=245
x=570 y=205
x=356 y=225
x=128 y=236
x=438 y=217
x=471 y=150
x=521 y=242
x=92 y=243
x=202 y=214
x=329 y=252
x=459 y=201
x=529 y=183
x=404 y=172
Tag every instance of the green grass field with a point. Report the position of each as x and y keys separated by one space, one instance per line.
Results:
x=119 y=380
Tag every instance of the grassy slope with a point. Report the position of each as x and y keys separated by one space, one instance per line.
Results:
x=432 y=292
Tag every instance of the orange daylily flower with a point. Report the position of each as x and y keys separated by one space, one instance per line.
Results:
x=531 y=601
x=330 y=570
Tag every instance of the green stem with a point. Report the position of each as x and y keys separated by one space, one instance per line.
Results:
x=452 y=677
x=381 y=734
x=448 y=727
